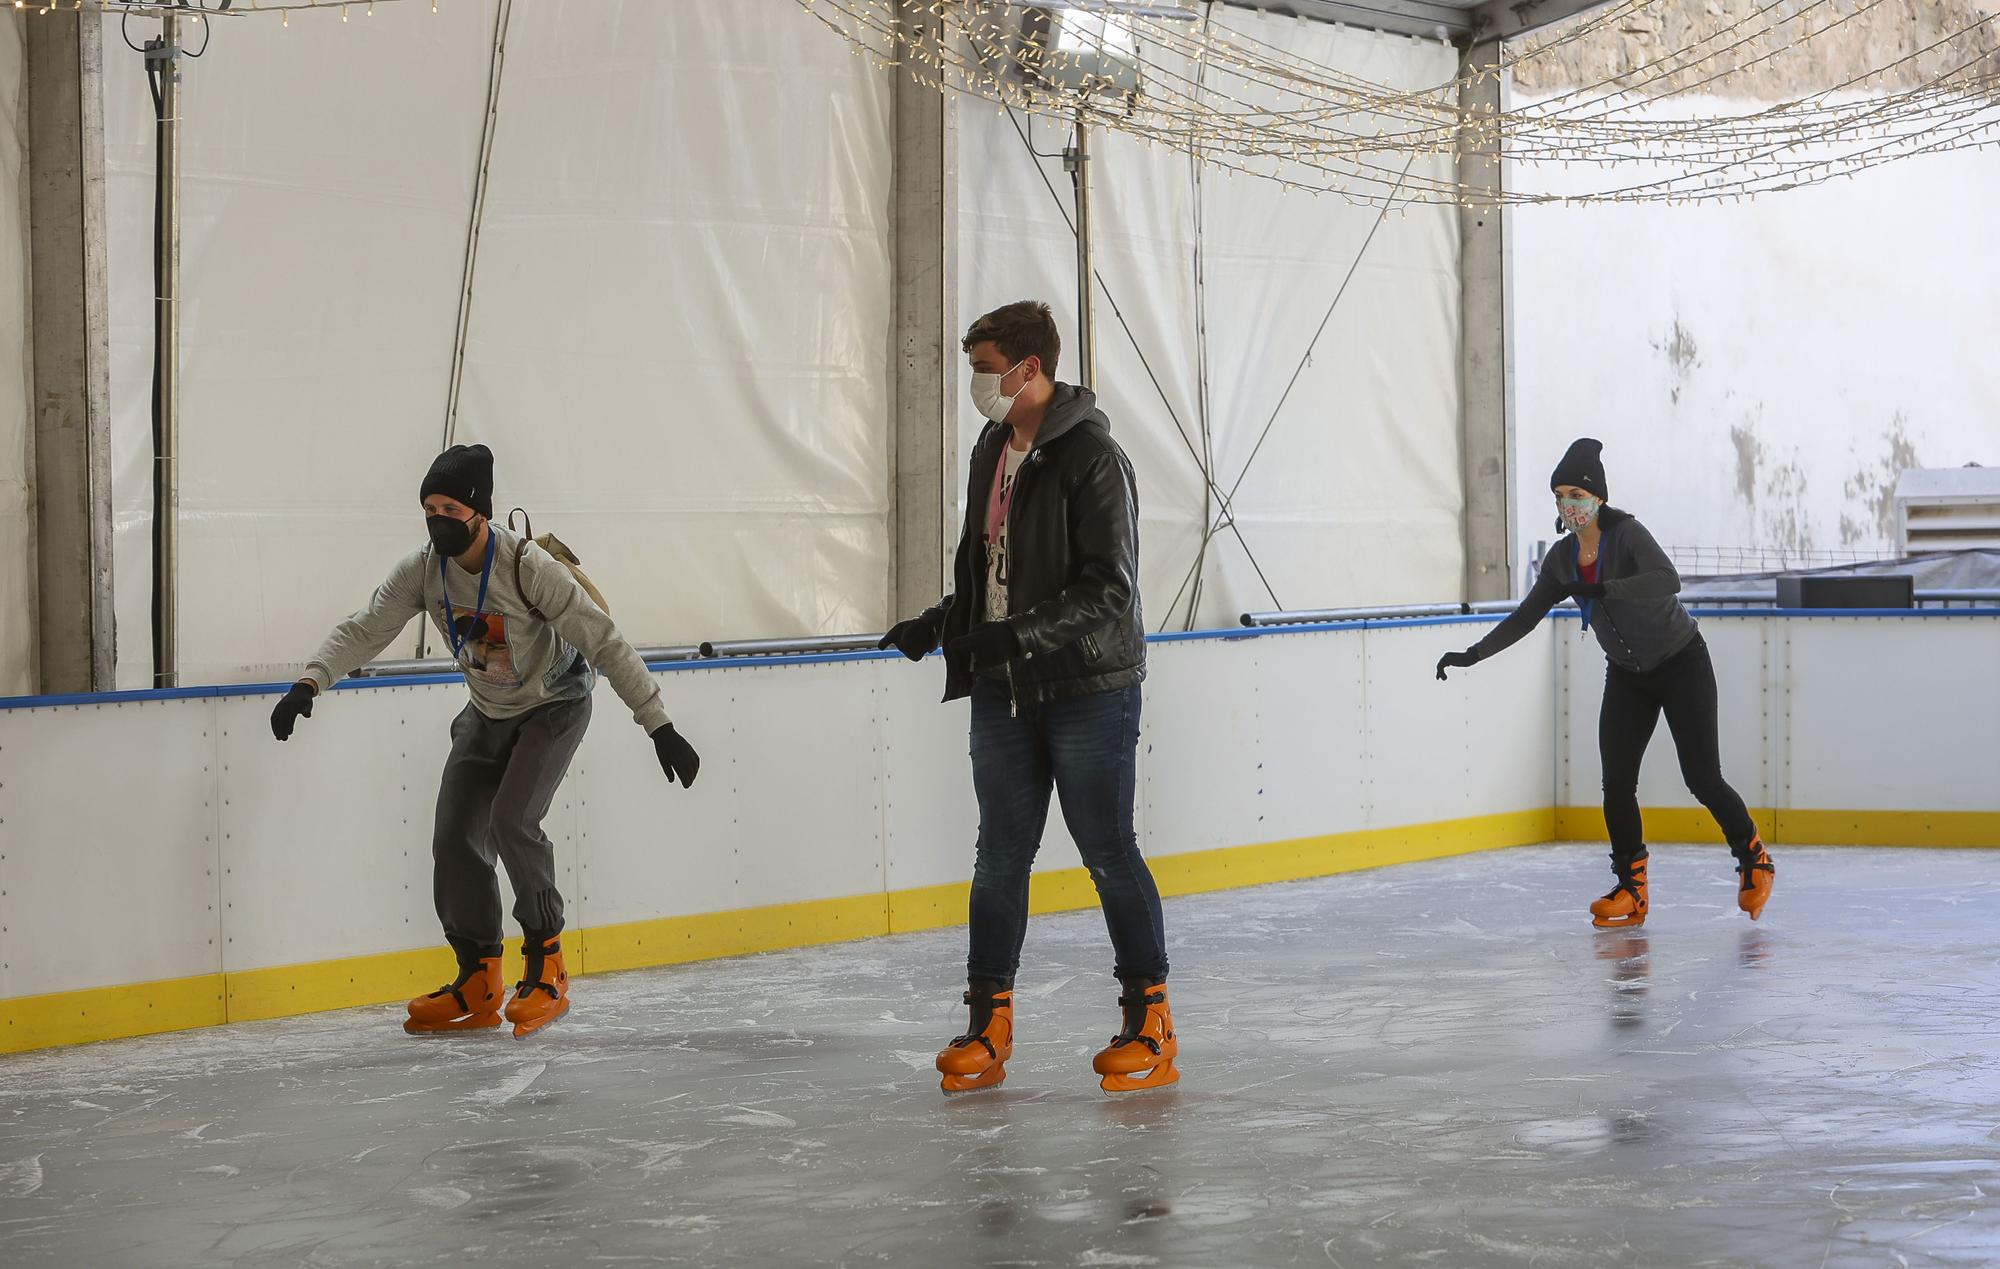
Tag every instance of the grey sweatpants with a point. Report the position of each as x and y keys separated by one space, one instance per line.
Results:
x=497 y=786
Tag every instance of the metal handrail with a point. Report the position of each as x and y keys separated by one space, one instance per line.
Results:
x=1769 y=598
x=1323 y=616
x=822 y=644
x=1747 y=599
x=445 y=665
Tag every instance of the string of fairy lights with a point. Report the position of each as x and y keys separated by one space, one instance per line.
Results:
x=1245 y=106
x=1209 y=87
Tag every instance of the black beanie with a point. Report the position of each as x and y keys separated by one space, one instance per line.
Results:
x=465 y=473
x=1583 y=467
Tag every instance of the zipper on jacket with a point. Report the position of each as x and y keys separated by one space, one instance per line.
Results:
x=1013 y=694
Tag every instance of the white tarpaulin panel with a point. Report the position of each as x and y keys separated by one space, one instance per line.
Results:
x=679 y=345
x=1355 y=493
x=327 y=177
x=17 y=510
x=680 y=339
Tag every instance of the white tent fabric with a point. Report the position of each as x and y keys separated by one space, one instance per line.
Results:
x=683 y=312
x=1354 y=497
x=327 y=173
x=17 y=510
x=679 y=346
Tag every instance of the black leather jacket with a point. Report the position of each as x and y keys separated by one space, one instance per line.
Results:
x=1073 y=561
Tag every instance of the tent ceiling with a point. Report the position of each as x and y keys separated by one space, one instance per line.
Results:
x=1460 y=21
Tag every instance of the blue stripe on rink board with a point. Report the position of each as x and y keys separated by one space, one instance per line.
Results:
x=1229 y=635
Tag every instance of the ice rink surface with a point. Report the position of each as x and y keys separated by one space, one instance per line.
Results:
x=1438 y=1064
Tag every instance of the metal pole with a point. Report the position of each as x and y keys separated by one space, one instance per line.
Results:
x=1077 y=160
x=165 y=54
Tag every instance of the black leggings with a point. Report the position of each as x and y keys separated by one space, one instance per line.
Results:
x=1684 y=688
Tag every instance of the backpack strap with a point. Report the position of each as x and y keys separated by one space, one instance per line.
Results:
x=527 y=533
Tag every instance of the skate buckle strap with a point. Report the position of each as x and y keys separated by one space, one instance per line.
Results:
x=1146 y=1040
x=455 y=990
x=965 y=1041
x=1153 y=996
x=458 y=997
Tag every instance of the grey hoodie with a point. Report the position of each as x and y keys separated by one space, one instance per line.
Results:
x=1640 y=622
x=512 y=662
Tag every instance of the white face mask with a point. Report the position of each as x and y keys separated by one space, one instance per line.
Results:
x=1578 y=513
x=987 y=397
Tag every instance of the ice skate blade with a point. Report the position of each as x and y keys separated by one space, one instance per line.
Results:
x=475 y=1022
x=1618 y=923
x=523 y=1030
x=1160 y=1076
x=991 y=1077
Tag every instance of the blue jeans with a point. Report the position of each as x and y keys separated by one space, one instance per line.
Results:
x=1086 y=750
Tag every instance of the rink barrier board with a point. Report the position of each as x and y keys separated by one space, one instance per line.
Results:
x=279 y=988
x=1898 y=754
x=105 y=1013
x=1972 y=830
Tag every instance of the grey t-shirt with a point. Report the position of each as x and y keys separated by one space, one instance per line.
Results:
x=512 y=662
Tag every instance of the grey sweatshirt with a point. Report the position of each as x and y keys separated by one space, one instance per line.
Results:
x=1640 y=622
x=512 y=662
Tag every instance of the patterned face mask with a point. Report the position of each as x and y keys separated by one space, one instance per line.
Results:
x=1578 y=513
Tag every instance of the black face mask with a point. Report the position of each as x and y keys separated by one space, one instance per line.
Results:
x=452 y=537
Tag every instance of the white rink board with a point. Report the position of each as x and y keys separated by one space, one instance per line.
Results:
x=109 y=847
x=1821 y=713
x=1747 y=653
x=1901 y=727
x=180 y=823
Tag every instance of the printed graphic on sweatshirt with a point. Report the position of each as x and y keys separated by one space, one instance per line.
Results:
x=486 y=656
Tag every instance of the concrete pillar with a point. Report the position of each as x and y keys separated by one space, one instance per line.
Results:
x=72 y=376
x=1485 y=365
x=923 y=451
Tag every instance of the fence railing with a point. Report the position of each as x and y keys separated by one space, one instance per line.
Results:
x=831 y=645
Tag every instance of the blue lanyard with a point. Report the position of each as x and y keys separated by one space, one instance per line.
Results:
x=478 y=607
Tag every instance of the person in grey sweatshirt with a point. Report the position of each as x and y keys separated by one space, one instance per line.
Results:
x=531 y=643
x=1629 y=594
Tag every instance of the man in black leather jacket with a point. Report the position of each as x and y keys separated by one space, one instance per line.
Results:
x=1043 y=631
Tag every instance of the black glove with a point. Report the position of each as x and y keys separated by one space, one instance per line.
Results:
x=297 y=702
x=677 y=757
x=990 y=644
x=915 y=638
x=1586 y=590
x=1456 y=661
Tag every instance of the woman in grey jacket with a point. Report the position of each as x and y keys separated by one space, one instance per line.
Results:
x=1658 y=663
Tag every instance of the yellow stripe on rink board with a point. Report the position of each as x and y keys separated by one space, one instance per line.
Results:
x=105 y=1013
x=1234 y=866
x=285 y=991
x=1663 y=824
x=109 y=1013
x=1890 y=828
x=1972 y=829
x=289 y=990
x=675 y=940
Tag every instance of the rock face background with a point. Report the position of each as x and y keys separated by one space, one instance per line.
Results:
x=1830 y=43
